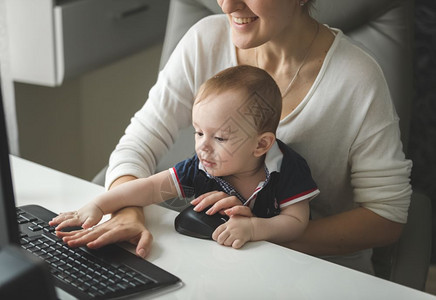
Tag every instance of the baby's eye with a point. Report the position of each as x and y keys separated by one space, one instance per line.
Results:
x=198 y=133
x=220 y=139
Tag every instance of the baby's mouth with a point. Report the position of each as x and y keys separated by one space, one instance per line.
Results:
x=208 y=162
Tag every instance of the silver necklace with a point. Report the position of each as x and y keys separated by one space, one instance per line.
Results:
x=288 y=88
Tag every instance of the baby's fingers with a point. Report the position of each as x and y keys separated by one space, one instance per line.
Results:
x=218 y=231
x=68 y=223
x=237 y=244
x=62 y=217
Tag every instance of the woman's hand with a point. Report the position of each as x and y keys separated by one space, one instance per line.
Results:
x=220 y=202
x=125 y=225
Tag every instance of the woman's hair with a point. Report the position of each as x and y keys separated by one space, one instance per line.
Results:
x=310 y=4
x=263 y=104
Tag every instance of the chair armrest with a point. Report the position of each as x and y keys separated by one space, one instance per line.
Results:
x=412 y=253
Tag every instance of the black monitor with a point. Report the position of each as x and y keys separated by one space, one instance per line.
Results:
x=18 y=269
x=8 y=219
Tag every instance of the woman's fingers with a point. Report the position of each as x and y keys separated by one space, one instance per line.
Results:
x=207 y=199
x=239 y=210
x=217 y=201
x=79 y=238
x=103 y=238
x=144 y=244
x=125 y=225
x=223 y=204
x=90 y=222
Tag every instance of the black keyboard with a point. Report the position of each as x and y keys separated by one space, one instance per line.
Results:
x=79 y=269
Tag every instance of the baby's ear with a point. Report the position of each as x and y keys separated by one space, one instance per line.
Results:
x=264 y=143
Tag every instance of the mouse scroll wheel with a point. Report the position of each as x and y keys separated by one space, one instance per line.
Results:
x=223 y=219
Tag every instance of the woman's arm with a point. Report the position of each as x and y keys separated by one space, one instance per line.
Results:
x=346 y=233
x=155 y=127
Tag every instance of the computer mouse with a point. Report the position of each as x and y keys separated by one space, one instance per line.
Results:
x=198 y=224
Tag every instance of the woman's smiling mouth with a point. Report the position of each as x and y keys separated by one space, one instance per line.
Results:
x=242 y=21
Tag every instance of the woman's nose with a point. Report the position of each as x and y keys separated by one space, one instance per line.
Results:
x=229 y=6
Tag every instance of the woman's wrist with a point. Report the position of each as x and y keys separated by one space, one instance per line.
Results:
x=131 y=213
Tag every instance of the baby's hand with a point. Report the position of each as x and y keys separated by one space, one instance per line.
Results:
x=87 y=216
x=235 y=232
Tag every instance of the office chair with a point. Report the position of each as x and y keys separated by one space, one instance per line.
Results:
x=385 y=29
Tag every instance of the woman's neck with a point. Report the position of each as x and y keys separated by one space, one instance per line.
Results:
x=285 y=53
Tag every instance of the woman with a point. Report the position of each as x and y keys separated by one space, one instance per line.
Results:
x=337 y=113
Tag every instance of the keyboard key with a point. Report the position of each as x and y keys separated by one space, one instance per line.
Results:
x=76 y=266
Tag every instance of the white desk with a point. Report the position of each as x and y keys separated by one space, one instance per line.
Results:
x=209 y=271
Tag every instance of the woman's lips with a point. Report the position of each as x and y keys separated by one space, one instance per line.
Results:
x=243 y=21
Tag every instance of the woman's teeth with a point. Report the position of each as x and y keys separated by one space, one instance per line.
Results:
x=243 y=20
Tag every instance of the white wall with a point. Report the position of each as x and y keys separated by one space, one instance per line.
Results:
x=74 y=127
